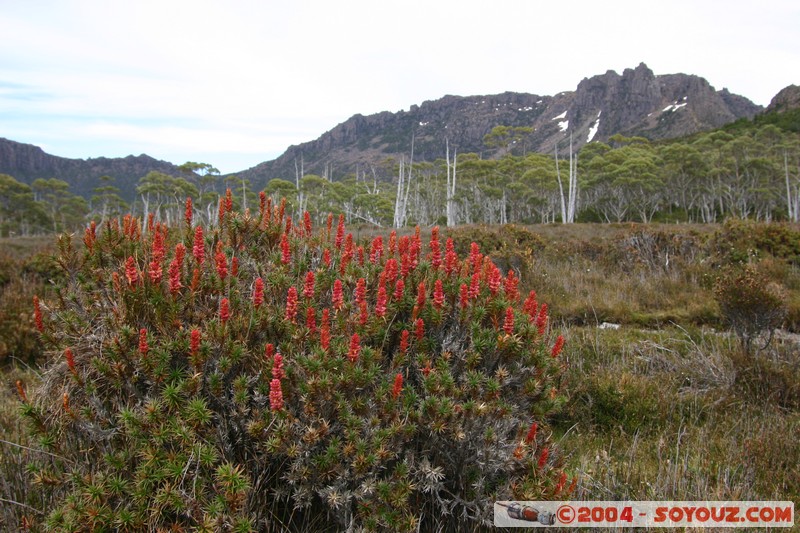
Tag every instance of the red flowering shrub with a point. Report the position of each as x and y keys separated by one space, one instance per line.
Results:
x=306 y=387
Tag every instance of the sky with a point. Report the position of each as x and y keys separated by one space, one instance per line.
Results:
x=234 y=83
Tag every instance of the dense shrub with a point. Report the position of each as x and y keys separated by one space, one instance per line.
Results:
x=261 y=375
x=751 y=303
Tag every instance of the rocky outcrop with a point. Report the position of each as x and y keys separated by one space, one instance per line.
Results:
x=636 y=102
x=786 y=100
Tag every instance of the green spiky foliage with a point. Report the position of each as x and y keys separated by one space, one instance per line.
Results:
x=237 y=388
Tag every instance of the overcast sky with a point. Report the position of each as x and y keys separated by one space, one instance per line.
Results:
x=235 y=83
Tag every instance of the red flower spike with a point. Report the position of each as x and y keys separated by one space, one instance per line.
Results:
x=175 y=270
x=530 y=307
x=235 y=266
x=475 y=257
x=68 y=355
x=277 y=367
x=143 y=347
x=291 y=305
x=392 y=242
x=281 y=211
x=436 y=252
x=337 y=299
x=399 y=287
x=510 y=286
x=475 y=286
x=339 y=233
x=361 y=290
x=275 y=395
x=376 y=250
x=390 y=269
x=307 y=223
x=421 y=295
x=187 y=213
x=325 y=330
x=199 y=246
x=463 y=296
x=155 y=271
x=308 y=288
x=221 y=261
x=21 y=391
x=450 y=263
x=344 y=260
x=180 y=253
x=405 y=263
x=572 y=485
x=194 y=342
x=541 y=319
x=288 y=230
x=404 y=341
x=557 y=346
x=494 y=279
x=286 y=251
x=311 y=320
x=195 y=280
x=65 y=404
x=398 y=386
x=224 y=310
x=328 y=226
x=258 y=293
x=355 y=348
x=543 y=457
x=90 y=236
x=560 y=485
x=37 y=314
x=419 y=329
x=228 y=200
x=363 y=313
x=508 y=323
x=269 y=352
x=221 y=210
x=438 y=295
x=531 y=436
x=326 y=257
x=380 y=303
x=131 y=272
x=262 y=203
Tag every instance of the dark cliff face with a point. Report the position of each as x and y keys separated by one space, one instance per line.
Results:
x=26 y=163
x=636 y=102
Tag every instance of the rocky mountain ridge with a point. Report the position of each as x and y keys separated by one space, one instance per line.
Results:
x=636 y=102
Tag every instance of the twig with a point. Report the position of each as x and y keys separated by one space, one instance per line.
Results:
x=37 y=511
x=35 y=450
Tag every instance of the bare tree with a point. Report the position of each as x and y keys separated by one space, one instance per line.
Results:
x=451 y=185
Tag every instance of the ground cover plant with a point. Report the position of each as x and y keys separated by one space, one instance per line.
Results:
x=265 y=374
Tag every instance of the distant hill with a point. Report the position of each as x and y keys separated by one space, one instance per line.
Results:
x=636 y=102
x=26 y=162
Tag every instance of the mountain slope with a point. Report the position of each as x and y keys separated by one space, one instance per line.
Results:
x=26 y=162
x=636 y=102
